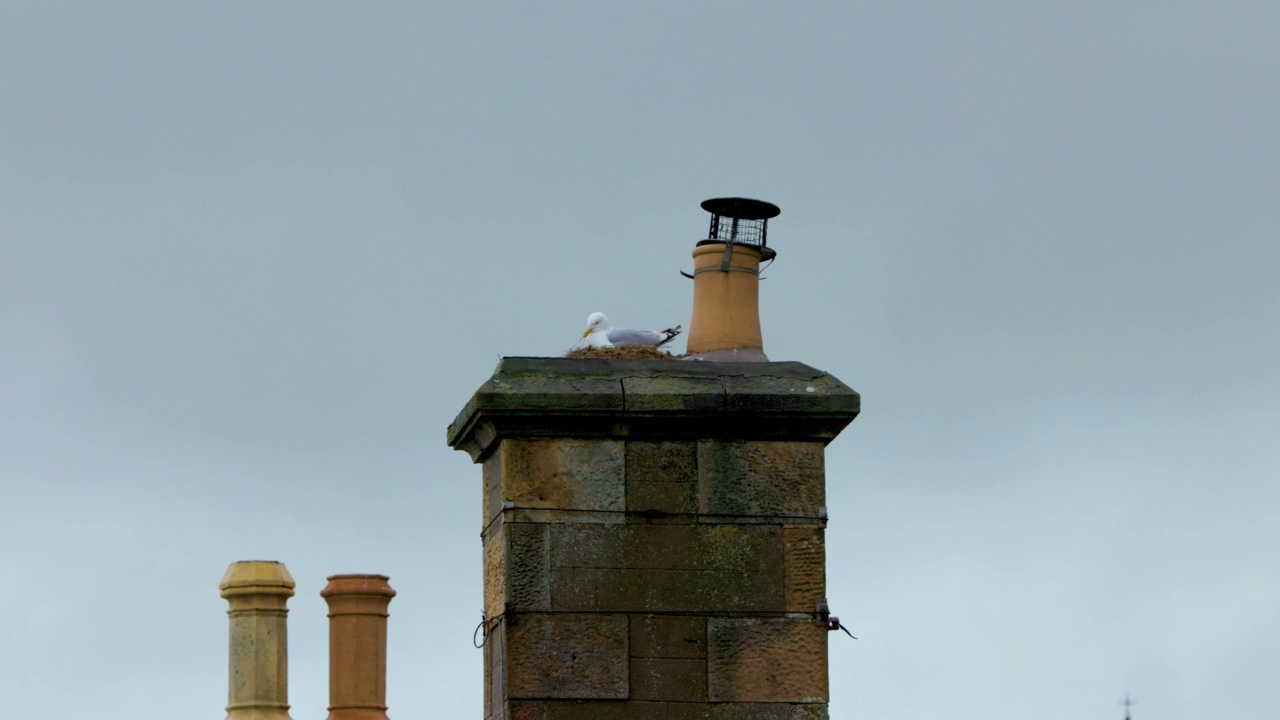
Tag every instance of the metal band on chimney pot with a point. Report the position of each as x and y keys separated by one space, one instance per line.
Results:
x=699 y=271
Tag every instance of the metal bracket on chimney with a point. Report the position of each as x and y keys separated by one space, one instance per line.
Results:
x=828 y=621
x=822 y=613
x=728 y=251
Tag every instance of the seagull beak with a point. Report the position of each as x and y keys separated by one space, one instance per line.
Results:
x=586 y=332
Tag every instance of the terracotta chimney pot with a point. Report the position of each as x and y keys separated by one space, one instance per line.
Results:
x=726 y=281
x=726 y=305
x=358 y=646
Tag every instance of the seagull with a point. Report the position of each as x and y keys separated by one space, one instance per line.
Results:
x=600 y=334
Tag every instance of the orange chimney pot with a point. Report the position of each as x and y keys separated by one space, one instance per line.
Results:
x=726 y=281
x=358 y=646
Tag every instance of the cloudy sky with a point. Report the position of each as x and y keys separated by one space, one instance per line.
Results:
x=255 y=256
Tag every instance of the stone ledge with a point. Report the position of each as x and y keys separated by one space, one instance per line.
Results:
x=652 y=400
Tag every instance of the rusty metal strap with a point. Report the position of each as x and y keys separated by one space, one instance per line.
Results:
x=732 y=268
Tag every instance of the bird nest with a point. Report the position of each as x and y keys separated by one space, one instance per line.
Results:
x=625 y=352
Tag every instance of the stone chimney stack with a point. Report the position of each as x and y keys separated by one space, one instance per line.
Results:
x=653 y=529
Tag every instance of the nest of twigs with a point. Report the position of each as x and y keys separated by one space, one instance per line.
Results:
x=625 y=352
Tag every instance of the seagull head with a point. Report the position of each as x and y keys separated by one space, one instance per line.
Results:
x=595 y=323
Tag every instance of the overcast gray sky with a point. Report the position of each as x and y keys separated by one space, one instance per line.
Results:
x=255 y=256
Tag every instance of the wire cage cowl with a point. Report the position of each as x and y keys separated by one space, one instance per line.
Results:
x=742 y=221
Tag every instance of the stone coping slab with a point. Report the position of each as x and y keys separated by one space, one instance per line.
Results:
x=529 y=397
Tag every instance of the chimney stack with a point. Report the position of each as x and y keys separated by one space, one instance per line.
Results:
x=653 y=529
x=726 y=281
x=653 y=537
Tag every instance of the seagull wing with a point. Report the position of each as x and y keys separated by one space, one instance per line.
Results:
x=624 y=336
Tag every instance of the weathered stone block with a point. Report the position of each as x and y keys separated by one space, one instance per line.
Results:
x=682 y=394
x=495 y=663
x=668 y=636
x=554 y=391
x=567 y=656
x=674 y=679
x=488 y=686
x=492 y=494
x=812 y=711
x=495 y=574
x=806 y=567
x=662 y=477
x=780 y=390
x=576 y=590
x=687 y=711
x=762 y=478
x=656 y=590
x=527 y=710
x=747 y=711
x=656 y=461
x=528 y=567
x=766 y=660
x=662 y=503
x=564 y=474
x=746 y=548
x=603 y=710
x=574 y=545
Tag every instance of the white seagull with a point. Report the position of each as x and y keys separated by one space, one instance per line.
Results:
x=599 y=334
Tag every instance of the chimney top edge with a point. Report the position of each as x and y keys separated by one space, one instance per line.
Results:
x=652 y=399
x=620 y=368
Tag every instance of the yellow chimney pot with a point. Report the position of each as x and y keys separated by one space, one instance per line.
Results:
x=258 y=670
